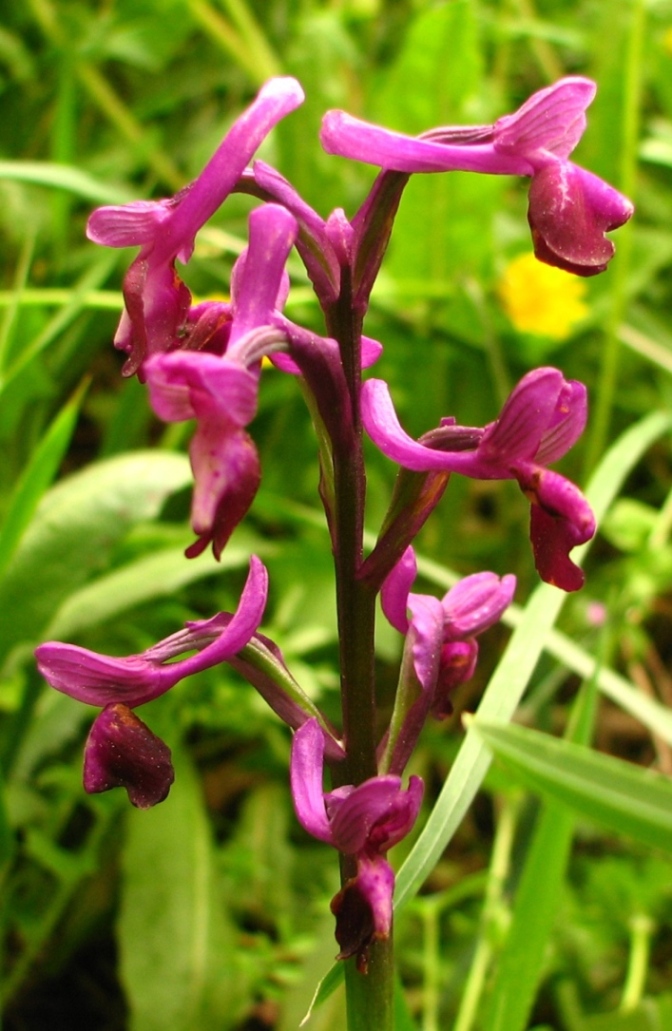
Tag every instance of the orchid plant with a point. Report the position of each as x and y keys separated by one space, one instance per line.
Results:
x=204 y=362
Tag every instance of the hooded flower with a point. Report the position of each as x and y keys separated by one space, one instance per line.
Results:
x=441 y=648
x=362 y=822
x=541 y=420
x=569 y=209
x=121 y=750
x=220 y=391
x=158 y=316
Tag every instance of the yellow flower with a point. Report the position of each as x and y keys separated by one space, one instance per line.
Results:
x=541 y=299
x=667 y=41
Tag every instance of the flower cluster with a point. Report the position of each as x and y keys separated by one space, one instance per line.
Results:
x=203 y=362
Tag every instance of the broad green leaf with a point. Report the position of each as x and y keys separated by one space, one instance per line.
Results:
x=35 y=479
x=176 y=947
x=76 y=526
x=626 y=798
x=152 y=576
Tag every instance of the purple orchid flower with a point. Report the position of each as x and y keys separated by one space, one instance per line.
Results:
x=362 y=822
x=541 y=420
x=569 y=208
x=121 y=750
x=441 y=648
x=158 y=315
x=220 y=391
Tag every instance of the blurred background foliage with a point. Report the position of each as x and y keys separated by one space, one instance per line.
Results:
x=211 y=911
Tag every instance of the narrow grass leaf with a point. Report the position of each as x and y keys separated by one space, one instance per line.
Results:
x=626 y=798
x=36 y=477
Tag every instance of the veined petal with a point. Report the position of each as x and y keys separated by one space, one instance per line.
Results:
x=306 y=769
x=227 y=474
x=567 y=425
x=239 y=630
x=195 y=384
x=353 y=818
x=277 y=98
x=526 y=414
x=475 y=603
x=94 y=678
x=553 y=119
x=569 y=212
x=128 y=225
x=425 y=637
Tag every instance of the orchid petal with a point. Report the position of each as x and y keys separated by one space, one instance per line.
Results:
x=475 y=603
x=395 y=590
x=121 y=751
x=553 y=119
x=306 y=780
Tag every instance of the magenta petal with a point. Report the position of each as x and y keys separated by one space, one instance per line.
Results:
x=363 y=141
x=553 y=119
x=382 y=425
x=395 y=590
x=121 y=751
x=241 y=627
x=306 y=780
x=353 y=818
x=527 y=412
x=227 y=475
x=199 y=201
x=569 y=212
x=561 y=519
x=258 y=275
x=97 y=679
x=567 y=424
x=128 y=225
x=363 y=910
x=457 y=665
x=426 y=637
x=475 y=603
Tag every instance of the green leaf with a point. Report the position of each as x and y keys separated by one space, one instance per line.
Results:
x=626 y=798
x=63 y=177
x=149 y=577
x=35 y=479
x=522 y=958
x=176 y=946
x=76 y=526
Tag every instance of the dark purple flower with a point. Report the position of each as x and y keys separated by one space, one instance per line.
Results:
x=362 y=822
x=542 y=418
x=441 y=649
x=569 y=210
x=158 y=315
x=121 y=750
